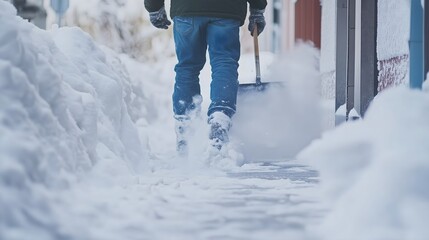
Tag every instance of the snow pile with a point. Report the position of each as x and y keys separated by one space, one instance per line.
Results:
x=153 y=99
x=374 y=172
x=64 y=110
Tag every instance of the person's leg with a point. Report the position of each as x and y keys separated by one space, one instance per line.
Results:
x=224 y=49
x=191 y=46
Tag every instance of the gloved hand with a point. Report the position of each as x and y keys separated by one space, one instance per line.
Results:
x=256 y=18
x=159 y=19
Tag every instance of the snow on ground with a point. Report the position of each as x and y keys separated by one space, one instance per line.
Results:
x=374 y=172
x=87 y=152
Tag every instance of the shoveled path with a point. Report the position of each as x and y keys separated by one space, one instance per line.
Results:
x=255 y=201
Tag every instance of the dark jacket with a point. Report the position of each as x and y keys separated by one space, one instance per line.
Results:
x=235 y=9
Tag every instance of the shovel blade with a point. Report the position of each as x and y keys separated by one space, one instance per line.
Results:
x=247 y=88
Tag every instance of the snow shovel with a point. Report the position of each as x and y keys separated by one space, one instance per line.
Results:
x=258 y=86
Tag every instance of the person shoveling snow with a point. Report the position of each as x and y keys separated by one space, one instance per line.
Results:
x=199 y=25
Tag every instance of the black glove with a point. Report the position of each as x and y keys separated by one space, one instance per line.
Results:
x=256 y=18
x=159 y=19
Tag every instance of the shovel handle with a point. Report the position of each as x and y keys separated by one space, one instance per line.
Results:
x=257 y=63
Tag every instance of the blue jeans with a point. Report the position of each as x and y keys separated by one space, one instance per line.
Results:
x=192 y=36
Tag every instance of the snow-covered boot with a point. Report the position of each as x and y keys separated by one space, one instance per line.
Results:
x=220 y=124
x=182 y=129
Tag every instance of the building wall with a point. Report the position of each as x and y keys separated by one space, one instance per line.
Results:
x=392 y=44
x=284 y=26
x=308 y=21
x=288 y=26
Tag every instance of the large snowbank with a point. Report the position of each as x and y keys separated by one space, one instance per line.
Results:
x=374 y=172
x=64 y=111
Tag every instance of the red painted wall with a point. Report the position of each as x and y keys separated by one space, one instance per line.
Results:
x=308 y=20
